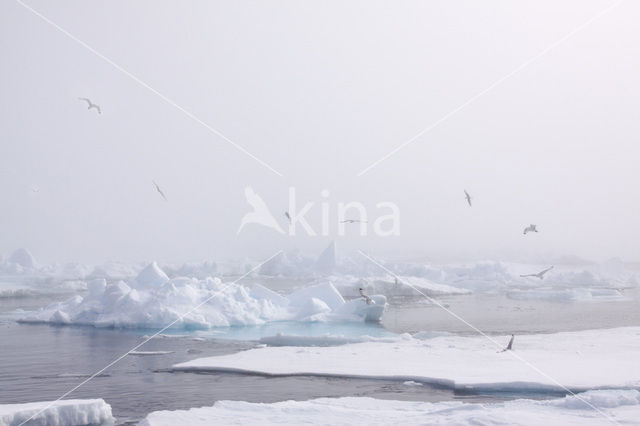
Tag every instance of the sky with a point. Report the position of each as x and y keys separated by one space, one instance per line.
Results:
x=192 y=93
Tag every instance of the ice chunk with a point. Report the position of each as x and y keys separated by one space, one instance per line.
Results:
x=324 y=291
x=96 y=287
x=151 y=276
x=60 y=413
x=260 y=292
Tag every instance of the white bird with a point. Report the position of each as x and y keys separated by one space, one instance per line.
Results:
x=91 y=104
x=288 y=216
x=539 y=274
x=35 y=189
x=530 y=228
x=468 y=197
x=353 y=221
x=260 y=214
x=509 y=346
x=159 y=190
x=366 y=298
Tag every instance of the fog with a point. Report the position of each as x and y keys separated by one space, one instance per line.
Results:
x=318 y=92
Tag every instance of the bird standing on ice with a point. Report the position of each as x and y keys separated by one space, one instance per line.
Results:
x=530 y=228
x=539 y=274
x=468 y=197
x=509 y=346
x=366 y=298
x=91 y=104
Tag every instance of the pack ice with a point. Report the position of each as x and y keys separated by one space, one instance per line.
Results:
x=154 y=300
x=589 y=408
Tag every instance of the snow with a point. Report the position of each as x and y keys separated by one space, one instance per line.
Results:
x=59 y=413
x=153 y=300
x=576 y=360
x=621 y=405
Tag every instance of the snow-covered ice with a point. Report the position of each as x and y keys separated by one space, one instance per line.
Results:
x=69 y=412
x=152 y=300
x=577 y=360
x=621 y=405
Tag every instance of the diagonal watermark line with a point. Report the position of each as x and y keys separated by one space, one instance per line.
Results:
x=492 y=86
x=147 y=86
x=518 y=357
x=151 y=337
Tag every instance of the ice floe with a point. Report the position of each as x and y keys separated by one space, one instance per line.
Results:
x=589 y=408
x=577 y=360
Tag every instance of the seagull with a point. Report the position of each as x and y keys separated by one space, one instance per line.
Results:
x=539 y=274
x=366 y=298
x=468 y=197
x=91 y=104
x=530 y=228
x=353 y=221
x=509 y=346
x=35 y=189
x=288 y=216
x=159 y=190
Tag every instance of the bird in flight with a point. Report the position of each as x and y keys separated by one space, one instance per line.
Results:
x=539 y=274
x=468 y=197
x=353 y=221
x=509 y=346
x=159 y=190
x=288 y=216
x=35 y=189
x=91 y=104
x=530 y=228
x=366 y=298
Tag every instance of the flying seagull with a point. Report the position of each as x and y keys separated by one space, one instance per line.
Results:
x=353 y=221
x=539 y=274
x=509 y=346
x=468 y=197
x=288 y=216
x=366 y=298
x=159 y=190
x=530 y=228
x=91 y=104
